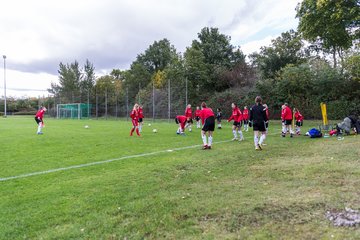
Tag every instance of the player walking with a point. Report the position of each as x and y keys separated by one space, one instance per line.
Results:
x=237 y=117
x=197 y=117
x=218 y=117
x=141 y=118
x=135 y=120
x=258 y=119
x=287 y=117
x=246 y=119
x=188 y=115
x=208 y=121
x=39 y=119
x=299 y=120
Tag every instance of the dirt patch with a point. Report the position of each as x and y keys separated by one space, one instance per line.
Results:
x=346 y=218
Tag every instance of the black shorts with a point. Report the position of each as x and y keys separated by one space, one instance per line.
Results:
x=209 y=124
x=267 y=125
x=190 y=121
x=259 y=127
x=197 y=118
x=37 y=121
x=246 y=121
x=288 y=122
x=140 y=119
x=237 y=124
x=218 y=119
x=299 y=123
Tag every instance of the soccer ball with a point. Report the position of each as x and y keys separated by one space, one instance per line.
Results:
x=154 y=130
x=149 y=124
x=86 y=126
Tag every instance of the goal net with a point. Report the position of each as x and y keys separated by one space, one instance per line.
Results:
x=73 y=111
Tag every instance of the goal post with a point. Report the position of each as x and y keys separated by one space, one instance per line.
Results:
x=73 y=111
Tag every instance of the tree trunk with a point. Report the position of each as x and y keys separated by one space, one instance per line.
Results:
x=334 y=57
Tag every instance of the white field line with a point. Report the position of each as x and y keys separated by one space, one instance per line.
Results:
x=106 y=161
x=100 y=162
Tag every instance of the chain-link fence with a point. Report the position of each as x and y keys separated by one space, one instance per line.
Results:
x=163 y=103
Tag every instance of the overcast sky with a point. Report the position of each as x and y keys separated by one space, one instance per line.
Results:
x=37 y=35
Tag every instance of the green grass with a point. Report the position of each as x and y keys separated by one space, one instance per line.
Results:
x=229 y=192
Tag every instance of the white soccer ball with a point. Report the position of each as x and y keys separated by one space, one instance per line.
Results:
x=154 y=130
x=86 y=126
x=149 y=124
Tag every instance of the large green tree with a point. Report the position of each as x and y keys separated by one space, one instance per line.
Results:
x=285 y=49
x=332 y=24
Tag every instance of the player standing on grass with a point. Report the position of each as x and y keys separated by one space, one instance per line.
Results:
x=141 y=118
x=208 y=121
x=218 y=117
x=135 y=120
x=188 y=115
x=258 y=119
x=237 y=117
x=181 y=120
x=246 y=119
x=287 y=120
x=39 y=119
x=197 y=117
x=299 y=120
x=267 y=122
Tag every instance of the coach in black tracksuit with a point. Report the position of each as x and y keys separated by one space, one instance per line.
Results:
x=258 y=119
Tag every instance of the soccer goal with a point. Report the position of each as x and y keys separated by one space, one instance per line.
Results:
x=73 y=110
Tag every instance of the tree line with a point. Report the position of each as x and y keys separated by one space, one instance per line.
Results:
x=317 y=62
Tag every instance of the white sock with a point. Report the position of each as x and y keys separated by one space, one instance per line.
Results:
x=283 y=129
x=210 y=140
x=262 y=138
x=234 y=132
x=256 y=140
x=240 y=134
x=39 y=128
x=203 y=136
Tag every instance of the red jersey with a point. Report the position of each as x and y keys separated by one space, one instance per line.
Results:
x=287 y=113
x=141 y=115
x=236 y=115
x=182 y=120
x=40 y=114
x=188 y=113
x=206 y=113
x=298 y=116
x=134 y=114
x=246 y=114
x=198 y=113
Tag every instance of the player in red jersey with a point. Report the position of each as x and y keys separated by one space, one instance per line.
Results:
x=188 y=115
x=246 y=119
x=237 y=117
x=208 y=121
x=299 y=120
x=181 y=120
x=197 y=117
x=135 y=120
x=141 y=118
x=39 y=119
x=287 y=118
x=283 y=128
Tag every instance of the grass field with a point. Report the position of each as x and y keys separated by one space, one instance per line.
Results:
x=229 y=192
